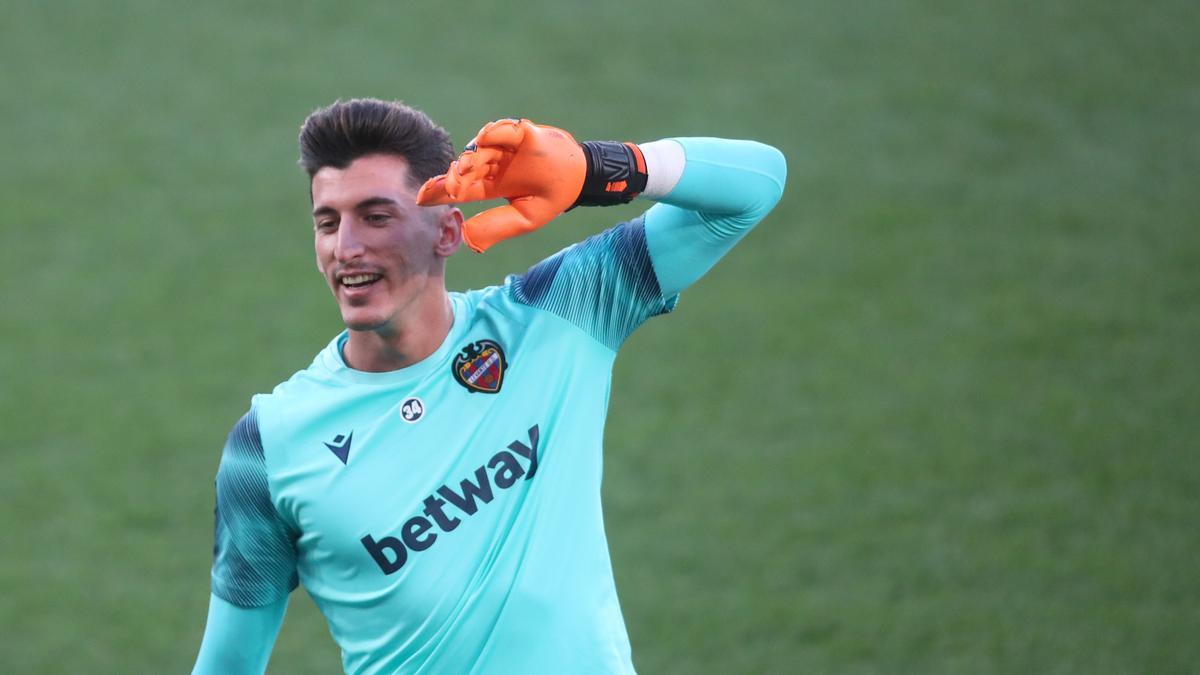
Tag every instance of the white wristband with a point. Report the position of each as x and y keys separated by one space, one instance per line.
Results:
x=664 y=166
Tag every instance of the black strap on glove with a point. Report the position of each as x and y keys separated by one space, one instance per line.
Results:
x=616 y=173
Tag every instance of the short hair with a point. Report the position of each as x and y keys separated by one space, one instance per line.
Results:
x=340 y=133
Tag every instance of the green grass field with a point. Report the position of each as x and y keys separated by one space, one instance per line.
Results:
x=938 y=414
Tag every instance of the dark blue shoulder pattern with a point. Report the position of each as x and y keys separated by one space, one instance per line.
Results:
x=254 y=554
x=605 y=285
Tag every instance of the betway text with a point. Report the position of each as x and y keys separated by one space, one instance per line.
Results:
x=502 y=471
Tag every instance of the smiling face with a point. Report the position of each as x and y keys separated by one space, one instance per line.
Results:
x=382 y=255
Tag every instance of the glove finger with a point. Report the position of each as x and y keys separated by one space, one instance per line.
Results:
x=536 y=210
x=462 y=164
x=506 y=134
x=482 y=163
x=486 y=229
x=467 y=187
x=433 y=192
x=491 y=155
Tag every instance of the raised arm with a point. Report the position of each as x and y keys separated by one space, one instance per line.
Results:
x=710 y=193
x=725 y=187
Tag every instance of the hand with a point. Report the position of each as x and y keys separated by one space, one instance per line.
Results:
x=539 y=169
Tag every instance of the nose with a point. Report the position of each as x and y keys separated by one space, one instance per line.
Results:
x=349 y=241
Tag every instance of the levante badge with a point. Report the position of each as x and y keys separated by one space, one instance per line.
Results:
x=480 y=367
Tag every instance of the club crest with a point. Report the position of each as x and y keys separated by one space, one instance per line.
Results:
x=480 y=367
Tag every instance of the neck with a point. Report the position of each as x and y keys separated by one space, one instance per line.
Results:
x=405 y=341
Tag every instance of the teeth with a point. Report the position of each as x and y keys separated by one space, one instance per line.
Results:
x=358 y=279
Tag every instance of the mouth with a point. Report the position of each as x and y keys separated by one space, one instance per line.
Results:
x=358 y=280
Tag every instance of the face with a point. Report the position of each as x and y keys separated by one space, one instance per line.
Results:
x=380 y=253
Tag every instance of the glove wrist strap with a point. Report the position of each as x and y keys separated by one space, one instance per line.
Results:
x=616 y=173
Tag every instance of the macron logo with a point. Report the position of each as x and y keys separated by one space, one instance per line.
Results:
x=341 y=451
x=417 y=534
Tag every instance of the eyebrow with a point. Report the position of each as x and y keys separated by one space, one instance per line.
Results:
x=364 y=204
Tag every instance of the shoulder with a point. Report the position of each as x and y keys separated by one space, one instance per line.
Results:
x=605 y=285
x=324 y=373
x=293 y=399
x=244 y=443
x=618 y=251
x=503 y=306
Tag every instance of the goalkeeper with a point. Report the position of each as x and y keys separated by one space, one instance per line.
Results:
x=433 y=478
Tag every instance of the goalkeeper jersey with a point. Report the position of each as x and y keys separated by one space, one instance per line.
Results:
x=446 y=517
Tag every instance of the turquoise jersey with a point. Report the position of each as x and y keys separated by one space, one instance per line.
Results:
x=448 y=514
x=446 y=517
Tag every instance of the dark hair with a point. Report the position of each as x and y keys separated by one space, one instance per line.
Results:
x=340 y=133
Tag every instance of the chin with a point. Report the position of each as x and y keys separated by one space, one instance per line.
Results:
x=356 y=319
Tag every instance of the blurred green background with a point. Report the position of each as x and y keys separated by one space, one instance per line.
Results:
x=941 y=410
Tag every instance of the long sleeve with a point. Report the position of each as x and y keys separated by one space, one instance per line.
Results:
x=254 y=561
x=238 y=640
x=254 y=553
x=710 y=193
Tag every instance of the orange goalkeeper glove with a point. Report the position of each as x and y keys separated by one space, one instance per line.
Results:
x=542 y=172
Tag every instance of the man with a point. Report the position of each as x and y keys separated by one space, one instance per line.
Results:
x=433 y=478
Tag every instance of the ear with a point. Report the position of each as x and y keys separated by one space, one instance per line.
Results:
x=449 y=232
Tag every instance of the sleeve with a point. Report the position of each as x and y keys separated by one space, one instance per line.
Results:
x=238 y=640
x=605 y=284
x=254 y=554
x=712 y=192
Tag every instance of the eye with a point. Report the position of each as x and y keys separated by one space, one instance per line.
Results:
x=325 y=225
x=377 y=218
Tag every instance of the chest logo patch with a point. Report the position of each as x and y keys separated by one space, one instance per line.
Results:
x=480 y=367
